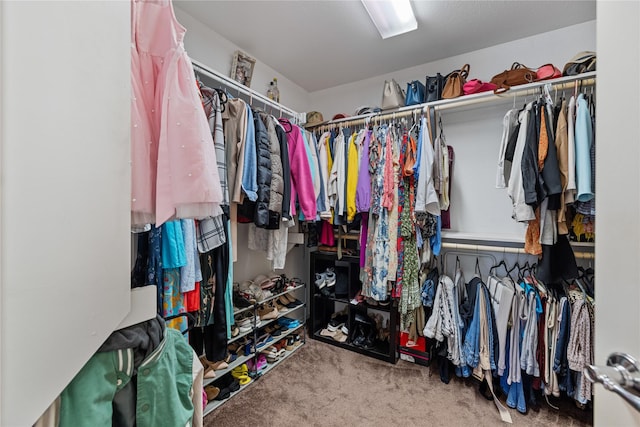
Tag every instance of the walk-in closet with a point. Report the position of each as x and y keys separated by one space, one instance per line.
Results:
x=367 y=213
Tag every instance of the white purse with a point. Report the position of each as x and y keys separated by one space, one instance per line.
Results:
x=392 y=95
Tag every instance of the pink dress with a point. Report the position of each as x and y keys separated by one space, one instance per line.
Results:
x=174 y=171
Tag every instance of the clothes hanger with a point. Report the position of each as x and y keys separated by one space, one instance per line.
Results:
x=477 y=270
x=502 y=263
x=286 y=123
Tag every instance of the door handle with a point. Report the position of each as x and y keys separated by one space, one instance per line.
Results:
x=621 y=376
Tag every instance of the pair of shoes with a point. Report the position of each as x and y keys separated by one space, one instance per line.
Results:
x=263 y=341
x=258 y=363
x=326 y=278
x=216 y=366
x=338 y=320
x=293 y=283
x=337 y=335
x=275 y=352
x=253 y=292
x=274 y=330
x=288 y=322
x=227 y=382
x=208 y=370
x=282 y=305
x=364 y=332
x=267 y=312
x=247 y=322
x=240 y=302
x=212 y=392
x=241 y=373
x=289 y=301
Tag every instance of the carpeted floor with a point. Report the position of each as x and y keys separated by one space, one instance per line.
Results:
x=323 y=385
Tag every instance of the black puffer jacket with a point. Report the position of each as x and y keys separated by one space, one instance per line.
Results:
x=277 y=181
x=263 y=151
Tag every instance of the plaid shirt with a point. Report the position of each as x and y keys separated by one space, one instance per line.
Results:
x=210 y=233
x=213 y=110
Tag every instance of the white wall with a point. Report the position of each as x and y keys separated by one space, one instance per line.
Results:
x=207 y=46
x=555 y=47
x=617 y=201
x=65 y=198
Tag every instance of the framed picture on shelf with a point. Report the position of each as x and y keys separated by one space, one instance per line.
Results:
x=242 y=68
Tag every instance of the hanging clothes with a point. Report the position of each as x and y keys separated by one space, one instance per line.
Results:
x=583 y=141
x=174 y=170
x=426 y=196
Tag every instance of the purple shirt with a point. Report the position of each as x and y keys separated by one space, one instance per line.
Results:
x=363 y=190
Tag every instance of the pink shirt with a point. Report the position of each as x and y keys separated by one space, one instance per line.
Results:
x=301 y=180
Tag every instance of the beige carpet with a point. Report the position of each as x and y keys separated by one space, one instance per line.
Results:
x=323 y=385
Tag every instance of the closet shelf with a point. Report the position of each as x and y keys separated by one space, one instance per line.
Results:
x=484 y=243
x=468 y=101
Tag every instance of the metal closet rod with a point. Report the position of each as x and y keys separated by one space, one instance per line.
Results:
x=562 y=83
x=504 y=249
x=252 y=94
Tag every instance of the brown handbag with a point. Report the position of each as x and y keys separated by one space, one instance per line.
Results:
x=453 y=88
x=517 y=75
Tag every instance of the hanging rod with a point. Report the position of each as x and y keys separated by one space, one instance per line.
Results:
x=504 y=249
x=252 y=94
x=561 y=83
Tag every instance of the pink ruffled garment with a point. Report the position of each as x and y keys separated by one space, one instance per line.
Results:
x=174 y=170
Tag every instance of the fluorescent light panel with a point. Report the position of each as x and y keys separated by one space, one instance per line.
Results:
x=391 y=17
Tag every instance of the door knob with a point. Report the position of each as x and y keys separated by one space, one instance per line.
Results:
x=621 y=375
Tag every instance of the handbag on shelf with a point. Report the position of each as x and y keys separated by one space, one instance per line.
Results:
x=433 y=87
x=548 y=71
x=518 y=74
x=453 y=88
x=392 y=95
x=583 y=62
x=477 y=86
x=415 y=93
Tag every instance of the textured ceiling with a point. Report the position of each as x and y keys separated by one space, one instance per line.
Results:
x=322 y=44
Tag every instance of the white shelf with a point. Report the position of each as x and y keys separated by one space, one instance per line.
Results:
x=503 y=240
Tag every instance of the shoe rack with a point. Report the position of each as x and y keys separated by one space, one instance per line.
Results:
x=343 y=297
x=248 y=346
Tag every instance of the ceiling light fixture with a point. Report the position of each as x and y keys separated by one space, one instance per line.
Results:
x=391 y=17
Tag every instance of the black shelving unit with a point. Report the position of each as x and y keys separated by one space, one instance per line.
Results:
x=348 y=284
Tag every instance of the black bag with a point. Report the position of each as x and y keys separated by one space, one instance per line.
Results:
x=434 y=86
